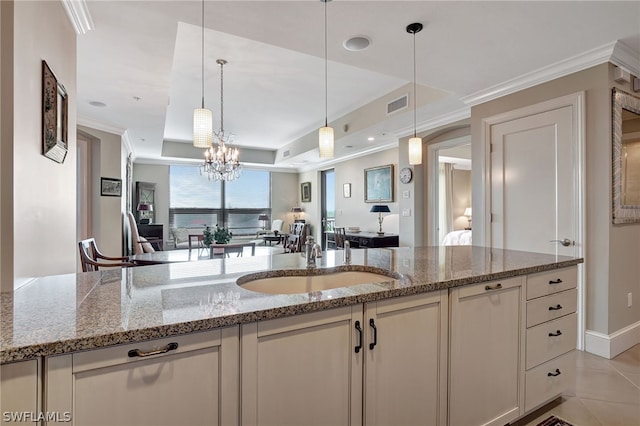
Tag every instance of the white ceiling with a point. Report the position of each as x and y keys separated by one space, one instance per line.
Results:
x=274 y=81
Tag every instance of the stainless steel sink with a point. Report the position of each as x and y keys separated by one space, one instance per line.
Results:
x=307 y=281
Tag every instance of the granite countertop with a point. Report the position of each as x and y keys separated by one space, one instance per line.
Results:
x=74 y=312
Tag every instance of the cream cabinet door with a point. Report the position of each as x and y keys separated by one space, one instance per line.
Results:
x=303 y=370
x=486 y=353
x=406 y=361
x=191 y=379
x=19 y=392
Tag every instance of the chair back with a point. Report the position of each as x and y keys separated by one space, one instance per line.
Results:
x=339 y=237
x=140 y=244
x=296 y=237
x=276 y=225
x=88 y=255
x=91 y=258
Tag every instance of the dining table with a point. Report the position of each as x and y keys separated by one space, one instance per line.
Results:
x=215 y=251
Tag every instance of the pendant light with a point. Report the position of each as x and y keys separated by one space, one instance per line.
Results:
x=202 y=117
x=325 y=134
x=415 y=143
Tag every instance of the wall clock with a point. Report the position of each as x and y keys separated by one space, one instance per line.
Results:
x=406 y=174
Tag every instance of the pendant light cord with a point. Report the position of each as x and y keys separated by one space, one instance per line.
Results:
x=326 y=84
x=221 y=99
x=415 y=98
x=202 y=55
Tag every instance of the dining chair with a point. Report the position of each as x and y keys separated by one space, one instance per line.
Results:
x=339 y=237
x=91 y=258
x=140 y=244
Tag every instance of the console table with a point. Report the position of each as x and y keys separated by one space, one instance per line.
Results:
x=366 y=239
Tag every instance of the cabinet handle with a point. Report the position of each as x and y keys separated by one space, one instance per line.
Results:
x=495 y=287
x=558 y=281
x=372 y=323
x=554 y=374
x=138 y=353
x=555 y=308
x=357 y=348
x=556 y=334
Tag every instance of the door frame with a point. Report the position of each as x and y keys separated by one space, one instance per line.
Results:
x=577 y=102
x=434 y=183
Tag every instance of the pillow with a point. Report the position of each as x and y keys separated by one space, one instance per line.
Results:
x=146 y=246
x=180 y=235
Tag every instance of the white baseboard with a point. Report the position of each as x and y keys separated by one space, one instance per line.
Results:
x=610 y=345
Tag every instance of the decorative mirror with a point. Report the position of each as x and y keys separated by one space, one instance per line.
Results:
x=626 y=157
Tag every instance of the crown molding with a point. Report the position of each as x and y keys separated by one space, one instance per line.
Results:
x=433 y=123
x=79 y=16
x=571 y=65
x=627 y=58
x=98 y=125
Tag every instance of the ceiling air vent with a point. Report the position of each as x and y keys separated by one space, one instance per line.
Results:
x=286 y=153
x=398 y=104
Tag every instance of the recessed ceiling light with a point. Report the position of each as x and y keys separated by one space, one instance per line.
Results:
x=97 y=104
x=357 y=43
x=371 y=138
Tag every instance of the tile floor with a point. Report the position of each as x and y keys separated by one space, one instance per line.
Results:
x=607 y=393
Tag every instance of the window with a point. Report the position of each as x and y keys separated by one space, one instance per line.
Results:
x=195 y=201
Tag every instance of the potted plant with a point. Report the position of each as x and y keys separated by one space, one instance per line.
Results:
x=219 y=235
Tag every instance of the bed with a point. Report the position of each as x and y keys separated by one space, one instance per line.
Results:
x=458 y=238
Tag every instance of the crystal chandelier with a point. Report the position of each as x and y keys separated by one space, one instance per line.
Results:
x=221 y=162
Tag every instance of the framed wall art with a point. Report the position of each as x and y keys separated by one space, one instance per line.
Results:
x=54 y=116
x=110 y=187
x=378 y=184
x=305 y=192
x=346 y=190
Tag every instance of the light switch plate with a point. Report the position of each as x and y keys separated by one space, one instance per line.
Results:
x=406 y=212
x=406 y=194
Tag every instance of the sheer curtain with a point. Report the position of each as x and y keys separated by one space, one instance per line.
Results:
x=445 y=200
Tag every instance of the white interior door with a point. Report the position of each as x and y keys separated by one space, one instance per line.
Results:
x=533 y=204
x=534 y=198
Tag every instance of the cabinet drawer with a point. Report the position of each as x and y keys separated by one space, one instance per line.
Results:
x=550 y=282
x=488 y=287
x=551 y=307
x=551 y=339
x=549 y=380
x=105 y=357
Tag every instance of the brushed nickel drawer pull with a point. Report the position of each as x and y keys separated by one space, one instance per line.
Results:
x=555 y=308
x=138 y=353
x=554 y=374
x=556 y=334
x=495 y=287
x=558 y=281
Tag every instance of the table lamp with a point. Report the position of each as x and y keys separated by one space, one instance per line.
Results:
x=264 y=219
x=380 y=208
x=467 y=213
x=296 y=210
x=145 y=210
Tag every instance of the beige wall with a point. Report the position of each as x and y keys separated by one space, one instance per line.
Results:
x=107 y=212
x=158 y=174
x=611 y=259
x=44 y=192
x=461 y=183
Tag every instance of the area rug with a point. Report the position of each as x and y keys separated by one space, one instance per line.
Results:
x=554 y=421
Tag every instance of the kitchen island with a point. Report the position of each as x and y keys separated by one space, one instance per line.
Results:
x=69 y=326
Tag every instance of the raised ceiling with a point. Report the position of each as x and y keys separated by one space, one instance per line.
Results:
x=142 y=59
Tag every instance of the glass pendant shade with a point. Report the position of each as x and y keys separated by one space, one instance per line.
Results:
x=202 y=128
x=415 y=151
x=325 y=142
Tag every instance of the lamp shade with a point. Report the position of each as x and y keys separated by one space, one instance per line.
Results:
x=415 y=151
x=202 y=128
x=145 y=207
x=325 y=142
x=380 y=208
x=263 y=217
x=467 y=212
x=296 y=209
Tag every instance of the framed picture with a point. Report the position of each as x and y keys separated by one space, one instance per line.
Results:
x=378 y=184
x=54 y=116
x=110 y=187
x=305 y=192
x=346 y=190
